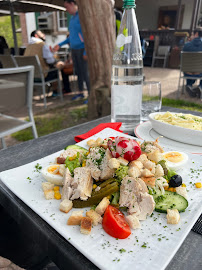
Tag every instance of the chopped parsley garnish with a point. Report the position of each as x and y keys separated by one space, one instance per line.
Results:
x=38 y=167
x=144 y=245
x=102 y=153
x=122 y=250
x=160 y=198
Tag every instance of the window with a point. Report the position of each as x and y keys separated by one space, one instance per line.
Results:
x=62 y=20
x=167 y=17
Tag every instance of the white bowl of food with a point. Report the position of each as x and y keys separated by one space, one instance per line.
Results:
x=185 y=128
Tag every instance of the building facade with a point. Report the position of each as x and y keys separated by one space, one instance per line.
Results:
x=183 y=15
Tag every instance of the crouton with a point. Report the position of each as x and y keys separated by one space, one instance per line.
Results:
x=159 y=171
x=133 y=221
x=86 y=225
x=136 y=163
x=104 y=144
x=134 y=172
x=123 y=161
x=91 y=143
x=100 y=209
x=96 y=218
x=146 y=173
x=150 y=166
x=75 y=218
x=49 y=194
x=66 y=206
x=99 y=141
x=173 y=216
x=155 y=156
x=113 y=163
x=47 y=186
x=182 y=191
x=149 y=181
x=142 y=158
x=95 y=143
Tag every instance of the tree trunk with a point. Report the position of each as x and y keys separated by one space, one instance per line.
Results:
x=98 y=27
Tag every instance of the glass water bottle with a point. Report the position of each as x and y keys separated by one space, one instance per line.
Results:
x=127 y=72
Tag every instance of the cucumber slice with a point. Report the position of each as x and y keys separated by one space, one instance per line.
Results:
x=76 y=147
x=170 y=200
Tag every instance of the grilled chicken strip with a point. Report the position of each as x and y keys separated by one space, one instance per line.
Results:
x=134 y=195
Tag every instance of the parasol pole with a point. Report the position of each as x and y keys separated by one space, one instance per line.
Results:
x=13 y=27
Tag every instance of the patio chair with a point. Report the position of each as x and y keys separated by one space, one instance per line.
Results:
x=39 y=78
x=16 y=92
x=190 y=62
x=8 y=61
x=161 y=53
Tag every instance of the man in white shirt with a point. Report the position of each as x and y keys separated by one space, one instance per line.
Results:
x=38 y=47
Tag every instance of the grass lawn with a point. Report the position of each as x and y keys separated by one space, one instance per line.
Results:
x=54 y=120
x=182 y=104
x=63 y=117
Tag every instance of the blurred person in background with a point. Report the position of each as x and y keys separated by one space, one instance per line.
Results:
x=195 y=45
x=118 y=17
x=38 y=47
x=76 y=43
x=3 y=44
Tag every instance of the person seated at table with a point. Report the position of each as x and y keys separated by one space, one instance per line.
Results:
x=195 y=45
x=38 y=47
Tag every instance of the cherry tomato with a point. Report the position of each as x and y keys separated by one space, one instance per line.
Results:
x=114 y=223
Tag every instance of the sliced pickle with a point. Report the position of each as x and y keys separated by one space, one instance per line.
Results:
x=97 y=196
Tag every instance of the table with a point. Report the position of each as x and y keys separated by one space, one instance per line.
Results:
x=189 y=256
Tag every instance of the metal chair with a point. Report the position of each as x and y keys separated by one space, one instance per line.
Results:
x=190 y=62
x=161 y=53
x=8 y=61
x=39 y=78
x=16 y=92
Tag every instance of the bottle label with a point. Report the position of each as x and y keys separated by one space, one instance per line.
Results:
x=126 y=99
x=122 y=40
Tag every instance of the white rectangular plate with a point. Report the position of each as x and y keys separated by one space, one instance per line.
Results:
x=151 y=247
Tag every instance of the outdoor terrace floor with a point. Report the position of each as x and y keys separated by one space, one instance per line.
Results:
x=169 y=84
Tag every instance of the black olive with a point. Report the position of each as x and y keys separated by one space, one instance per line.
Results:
x=175 y=181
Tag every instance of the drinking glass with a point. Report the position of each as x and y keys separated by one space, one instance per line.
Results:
x=151 y=99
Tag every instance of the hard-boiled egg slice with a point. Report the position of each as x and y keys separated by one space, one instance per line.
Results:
x=175 y=160
x=53 y=173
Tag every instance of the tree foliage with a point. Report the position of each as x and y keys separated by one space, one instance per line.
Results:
x=6 y=30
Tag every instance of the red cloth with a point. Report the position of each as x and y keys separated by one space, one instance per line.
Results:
x=97 y=129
